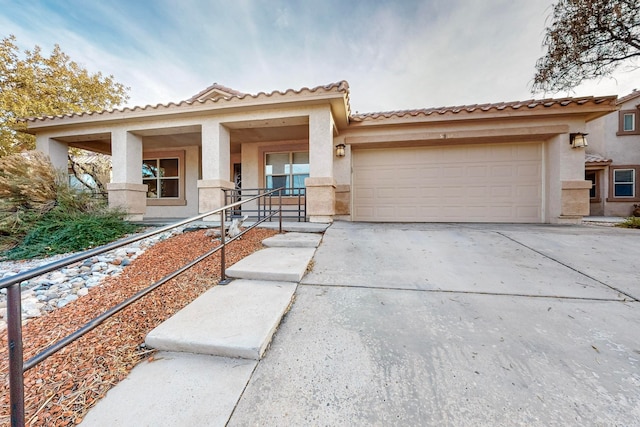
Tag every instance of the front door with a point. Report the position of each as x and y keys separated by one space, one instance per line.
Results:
x=596 y=207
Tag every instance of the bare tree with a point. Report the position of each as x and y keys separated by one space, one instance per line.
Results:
x=92 y=170
x=587 y=39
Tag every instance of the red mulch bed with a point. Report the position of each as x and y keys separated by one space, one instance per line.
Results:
x=60 y=390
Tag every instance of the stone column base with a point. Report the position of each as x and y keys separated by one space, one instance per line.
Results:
x=343 y=200
x=211 y=196
x=321 y=199
x=575 y=200
x=130 y=197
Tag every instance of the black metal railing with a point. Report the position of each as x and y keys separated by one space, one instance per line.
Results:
x=293 y=209
x=17 y=366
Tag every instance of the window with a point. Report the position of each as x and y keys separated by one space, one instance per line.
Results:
x=286 y=170
x=593 y=177
x=624 y=182
x=163 y=173
x=162 y=177
x=628 y=122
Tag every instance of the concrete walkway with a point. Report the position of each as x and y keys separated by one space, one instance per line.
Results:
x=209 y=349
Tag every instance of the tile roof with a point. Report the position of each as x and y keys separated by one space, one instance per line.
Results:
x=595 y=158
x=475 y=108
x=339 y=87
x=634 y=94
x=214 y=87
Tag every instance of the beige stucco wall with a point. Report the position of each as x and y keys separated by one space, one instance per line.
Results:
x=622 y=150
x=57 y=151
x=342 y=175
x=566 y=191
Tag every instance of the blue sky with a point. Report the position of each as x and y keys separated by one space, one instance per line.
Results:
x=399 y=54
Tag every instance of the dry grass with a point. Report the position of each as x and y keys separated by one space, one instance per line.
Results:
x=28 y=180
x=28 y=189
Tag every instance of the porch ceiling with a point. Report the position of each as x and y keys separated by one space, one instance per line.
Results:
x=96 y=142
x=266 y=134
x=172 y=141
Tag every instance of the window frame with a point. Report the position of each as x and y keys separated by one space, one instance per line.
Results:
x=289 y=190
x=636 y=116
x=612 y=197
x=162 y=155
x=632 y=182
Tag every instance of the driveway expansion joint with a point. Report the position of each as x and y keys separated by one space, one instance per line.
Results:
x=445 y=291
x=570 y=267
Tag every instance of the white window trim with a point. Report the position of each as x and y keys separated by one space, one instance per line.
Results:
x=632 y=182
x=633 y=122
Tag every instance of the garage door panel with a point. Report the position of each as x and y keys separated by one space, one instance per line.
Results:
x=532 y=171
x=528 y=192
x=478 y=192
x=475 y=183
x=477 y=171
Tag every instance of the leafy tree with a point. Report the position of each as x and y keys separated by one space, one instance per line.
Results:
x=35 y=85
x=587 y=39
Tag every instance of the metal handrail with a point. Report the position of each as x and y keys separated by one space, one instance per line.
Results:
x=299 y=213
x=17 y=366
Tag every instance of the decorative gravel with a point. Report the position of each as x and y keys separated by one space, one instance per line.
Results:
x=60 y=390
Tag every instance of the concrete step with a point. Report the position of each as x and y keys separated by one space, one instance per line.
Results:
x=279 y=264
x=236 y=320
x=301 y=227
x=293 y=240
x=174 y=389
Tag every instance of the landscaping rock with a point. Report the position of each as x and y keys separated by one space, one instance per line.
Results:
x=58 y=288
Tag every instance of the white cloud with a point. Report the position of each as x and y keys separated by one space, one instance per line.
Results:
x=395 y=55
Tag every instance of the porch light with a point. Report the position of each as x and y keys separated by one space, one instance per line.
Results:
x=340 y=150
x=578 y=140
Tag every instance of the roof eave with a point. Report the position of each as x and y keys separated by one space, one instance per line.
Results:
x=589 y=111
x=336 y=98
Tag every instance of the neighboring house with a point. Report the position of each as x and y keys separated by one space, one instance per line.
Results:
x=612 y=163
x=503 y=162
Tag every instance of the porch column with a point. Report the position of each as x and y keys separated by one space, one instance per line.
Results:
x=57 y=151
x=321 y=184
x=215 y=167
x=126 y=189
x=567 y=192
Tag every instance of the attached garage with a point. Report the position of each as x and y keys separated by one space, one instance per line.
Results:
x=460 y=183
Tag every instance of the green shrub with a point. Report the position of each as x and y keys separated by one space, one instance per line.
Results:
x=41 y=215
x=62 y=230
x=631 y=222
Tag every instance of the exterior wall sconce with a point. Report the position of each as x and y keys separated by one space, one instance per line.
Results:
x=578 y=140
x=340 y=150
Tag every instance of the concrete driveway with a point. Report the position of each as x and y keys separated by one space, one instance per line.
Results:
x=429 y=324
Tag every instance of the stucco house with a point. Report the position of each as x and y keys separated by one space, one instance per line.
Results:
x=501 y=162
x=612 y=163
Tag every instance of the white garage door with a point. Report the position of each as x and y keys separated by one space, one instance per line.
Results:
x=465 y=183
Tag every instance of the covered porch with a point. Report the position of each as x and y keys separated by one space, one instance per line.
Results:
x=177 y=161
